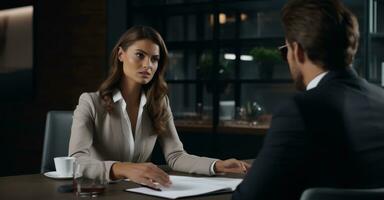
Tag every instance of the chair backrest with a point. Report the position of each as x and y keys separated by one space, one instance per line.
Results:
x=342 y=194
x=56 y=139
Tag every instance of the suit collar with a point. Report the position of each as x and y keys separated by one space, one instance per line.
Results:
x=345 y=73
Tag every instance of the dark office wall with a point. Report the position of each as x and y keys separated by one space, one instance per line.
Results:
x=116 y=21
x=72 y=40
x=69 y=58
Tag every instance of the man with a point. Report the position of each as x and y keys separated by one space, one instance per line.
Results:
x=332 y=133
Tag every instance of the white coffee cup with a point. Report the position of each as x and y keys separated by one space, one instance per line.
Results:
x=64 y=166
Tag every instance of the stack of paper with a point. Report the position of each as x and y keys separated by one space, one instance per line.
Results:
x=184 y=186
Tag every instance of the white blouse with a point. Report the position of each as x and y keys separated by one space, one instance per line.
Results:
x=132 y=141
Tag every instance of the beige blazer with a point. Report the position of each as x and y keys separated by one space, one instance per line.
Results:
x=97 y=134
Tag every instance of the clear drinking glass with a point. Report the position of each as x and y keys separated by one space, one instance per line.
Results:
x=254 y=111
x=89 y=177
x=240 y=114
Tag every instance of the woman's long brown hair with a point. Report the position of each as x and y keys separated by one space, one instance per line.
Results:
x=155 y=90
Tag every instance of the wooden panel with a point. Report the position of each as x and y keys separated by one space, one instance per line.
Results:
x=70 y=58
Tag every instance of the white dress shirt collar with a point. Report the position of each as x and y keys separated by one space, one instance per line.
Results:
x=117 y=96
x=314 y=82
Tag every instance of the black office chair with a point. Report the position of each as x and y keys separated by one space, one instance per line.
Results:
x=56 y=139
x=342 y=194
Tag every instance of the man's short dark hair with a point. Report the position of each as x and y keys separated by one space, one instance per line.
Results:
x=326 y=30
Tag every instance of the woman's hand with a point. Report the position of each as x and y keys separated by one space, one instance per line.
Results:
x=231 y=166
x=142 y=173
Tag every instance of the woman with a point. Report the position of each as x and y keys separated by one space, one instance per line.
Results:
x=120 y=123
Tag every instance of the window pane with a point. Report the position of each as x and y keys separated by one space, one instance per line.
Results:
x=227 y=62
x=208 y=23
x=377 y=60
x=191 y=65
x=262 y=63
x=227 y=22
x=248 y=66
x=267 y=96
x=182 y=99
x=191 y=33
x=207 y=103
x=227 y=101
x=175 y=28
x=225 y=69
x=181 y=67
x=248 y=25
x=205 y=65
x=148 y=20
x=175 y=65
x=260 y=24
x=185 y=104
x=177 y=24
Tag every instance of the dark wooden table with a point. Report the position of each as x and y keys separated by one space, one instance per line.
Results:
x=39 y=187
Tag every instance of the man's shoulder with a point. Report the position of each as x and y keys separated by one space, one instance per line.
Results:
x=322 y=94
x=337 y=90
x=287 y=107
x=294 y=105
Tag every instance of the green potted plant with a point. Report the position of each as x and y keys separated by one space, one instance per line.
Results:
x=206 y=71
x=266 y=58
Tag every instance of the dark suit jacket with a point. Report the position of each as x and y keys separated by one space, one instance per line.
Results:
x=329 y=136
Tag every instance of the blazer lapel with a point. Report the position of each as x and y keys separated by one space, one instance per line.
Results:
x=115 y=127
x=147 y=138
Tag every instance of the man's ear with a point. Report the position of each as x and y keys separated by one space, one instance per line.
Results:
x=299 y=52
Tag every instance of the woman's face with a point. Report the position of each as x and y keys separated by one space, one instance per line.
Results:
x=140 y=61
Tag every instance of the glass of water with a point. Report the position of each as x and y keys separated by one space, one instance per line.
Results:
x=254 y=111
x=89 y=177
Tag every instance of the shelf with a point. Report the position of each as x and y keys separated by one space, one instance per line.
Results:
x=242 y=42
x=187 y=81
x=225 y=127
x=195 y=126
x=209 y=6
x=272 y=81
x=377 y=35
x=243 y=127
x=376 y=82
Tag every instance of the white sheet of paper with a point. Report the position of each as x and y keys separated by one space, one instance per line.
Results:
x=184 y=186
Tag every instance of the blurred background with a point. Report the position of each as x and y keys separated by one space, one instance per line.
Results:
x=225 y=74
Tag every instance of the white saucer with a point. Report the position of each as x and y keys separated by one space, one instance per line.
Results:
x=55 y=175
